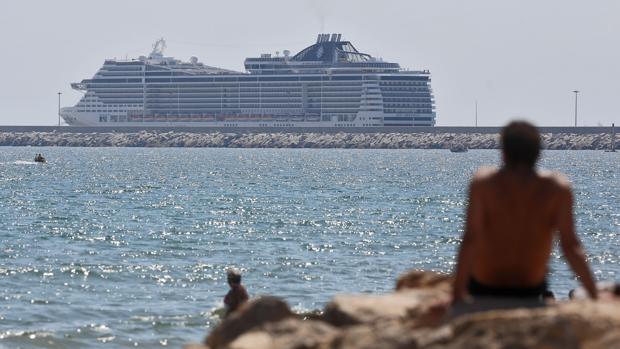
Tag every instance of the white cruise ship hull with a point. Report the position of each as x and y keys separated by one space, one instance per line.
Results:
x=73 y=118
x=328 y=84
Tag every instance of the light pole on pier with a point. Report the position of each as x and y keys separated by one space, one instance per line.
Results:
x=476 y=120
x=576 y=92
x=59 y=93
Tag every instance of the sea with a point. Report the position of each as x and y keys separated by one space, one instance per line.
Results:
x=129 y=247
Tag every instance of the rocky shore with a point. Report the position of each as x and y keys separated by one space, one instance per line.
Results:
x=406 y=319
x=556 y=141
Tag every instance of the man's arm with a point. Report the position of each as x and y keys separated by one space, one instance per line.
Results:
x=473 y=224
x=571 y=246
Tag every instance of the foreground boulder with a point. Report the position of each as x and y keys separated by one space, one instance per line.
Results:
x=288 y=334
x=588 y=325
x=418 y=292
x=406 y=320
x=423 y=279
x=387 y=335
x=349 y=310
x=250 y=316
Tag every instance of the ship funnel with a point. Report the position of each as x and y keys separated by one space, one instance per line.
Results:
x=328 y=37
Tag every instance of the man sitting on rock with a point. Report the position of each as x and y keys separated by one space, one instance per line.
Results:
x=512 y=216
x=237 y=294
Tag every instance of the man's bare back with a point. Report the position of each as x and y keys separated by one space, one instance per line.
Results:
x=512 y=217
x=516 y=215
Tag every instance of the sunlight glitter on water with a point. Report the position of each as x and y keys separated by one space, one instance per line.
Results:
x=135 y=242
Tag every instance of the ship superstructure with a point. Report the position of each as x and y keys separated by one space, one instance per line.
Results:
x=328 y=84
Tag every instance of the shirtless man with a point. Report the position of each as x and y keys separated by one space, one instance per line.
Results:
x=237 y=294
x=512 y=217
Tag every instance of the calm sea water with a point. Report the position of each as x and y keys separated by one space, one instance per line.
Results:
x=115 y=248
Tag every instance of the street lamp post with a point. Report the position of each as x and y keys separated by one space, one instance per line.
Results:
x=576 y=92
x=476 y=118
x=59 y=93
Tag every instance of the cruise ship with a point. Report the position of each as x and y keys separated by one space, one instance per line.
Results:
x=328 y=84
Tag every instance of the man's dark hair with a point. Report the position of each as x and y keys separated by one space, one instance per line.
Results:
x=520 y=142
x=234 y=277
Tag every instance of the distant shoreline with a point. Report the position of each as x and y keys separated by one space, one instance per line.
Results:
x=288 y=139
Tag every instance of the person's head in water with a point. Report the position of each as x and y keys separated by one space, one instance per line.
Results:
x=520 y=143
x=234 y=277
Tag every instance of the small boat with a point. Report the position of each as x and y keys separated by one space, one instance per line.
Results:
x=458 y=148
x=39 y=158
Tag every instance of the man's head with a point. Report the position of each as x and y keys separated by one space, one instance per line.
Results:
x=520 y=142
x=233 y=276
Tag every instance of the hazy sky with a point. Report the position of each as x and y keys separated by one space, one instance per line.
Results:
x=517 y=58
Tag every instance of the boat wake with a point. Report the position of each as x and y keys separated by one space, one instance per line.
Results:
x=19 y=162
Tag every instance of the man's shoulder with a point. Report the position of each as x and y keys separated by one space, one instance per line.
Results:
x=555 y=179
x=484 y=174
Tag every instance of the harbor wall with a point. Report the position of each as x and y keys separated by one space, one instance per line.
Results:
x=433 y=138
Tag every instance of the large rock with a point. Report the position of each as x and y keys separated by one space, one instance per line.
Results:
x=423 y=279
x=387 y=335
x=574 y=325
x=406 y=319
x=587 y=325
x=348 y=310
x=251 y=315
x=287 y=334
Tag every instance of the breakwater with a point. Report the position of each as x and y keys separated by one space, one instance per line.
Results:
x=287 y=139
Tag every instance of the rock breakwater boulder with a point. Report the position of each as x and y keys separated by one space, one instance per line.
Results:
x=293 y=140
